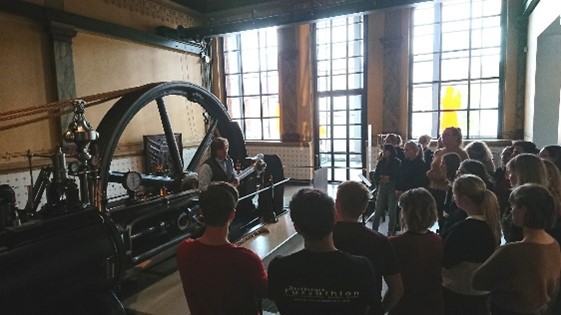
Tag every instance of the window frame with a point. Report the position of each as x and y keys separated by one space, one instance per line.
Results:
x=263 y=74
x=468 y=80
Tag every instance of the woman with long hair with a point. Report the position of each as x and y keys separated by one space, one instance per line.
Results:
x=468 y=244
x=478 y=150
x=419 y=253
x=524 y=276
x=522 y=169
x=455 y=214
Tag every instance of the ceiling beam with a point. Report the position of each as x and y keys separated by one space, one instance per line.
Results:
x=47 y=15
x=277 y=13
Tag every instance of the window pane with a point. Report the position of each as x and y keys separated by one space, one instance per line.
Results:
x=423 y=16
x=234 y=106
x=454 y=67
x=484 y=94
x=423 y=44
x=453 y=119
x=339 y=66
x=323 y=68
x=323 y=36
x=422 y=98
x=355 y=81
x=271 y=128
x=253 y=129
x=355 y=146
x=251 y=84
x=355 y=117
x=323 y=84
x=231 y=43
x=423 y=70
x=323 y=103
x=339 y=33
x=484 y=124
x=455 y=41
x=355 y=65
x=252 y=107
x=250 y=59
x=324 y=132
x=340 y=117
x=325 y=118
x=355 y=102
x=355 y=131
x=324 y=146
x=453 y=96
x=340 y=103
x=339 y=82
x=340 y=131
x=250 y=40
x=355 y=31
x=231 y=64
x=355 y=48
x=269 y=59
x=271 y=82
x=459 y=11
x=271 y=106
x=424 y=123
x=323 y=52
x=233 y=85
x=339 y=145
x=339 y=51
x=340 y=172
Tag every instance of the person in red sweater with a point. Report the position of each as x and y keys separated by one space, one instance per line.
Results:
x=218 y=277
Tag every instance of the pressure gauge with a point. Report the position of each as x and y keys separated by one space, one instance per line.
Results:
x=74 y=168
x=132 y=180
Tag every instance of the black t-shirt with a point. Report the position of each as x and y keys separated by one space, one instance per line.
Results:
x=333 y=282
x=356 y=239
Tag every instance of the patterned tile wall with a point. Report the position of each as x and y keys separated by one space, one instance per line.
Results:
x=297 y=161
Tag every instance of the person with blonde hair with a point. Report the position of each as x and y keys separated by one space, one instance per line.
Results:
x=468 y=244
x=478 y=150
x=419 y=253
x=522 y=169
x=526 y=168
x=524 y=276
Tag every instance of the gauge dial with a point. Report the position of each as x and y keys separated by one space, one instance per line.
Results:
x=74 y=167
x=132 y=180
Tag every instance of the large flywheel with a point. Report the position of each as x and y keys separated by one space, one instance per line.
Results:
x=123 y=111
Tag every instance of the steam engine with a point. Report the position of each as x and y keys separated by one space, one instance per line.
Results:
x=69 y=255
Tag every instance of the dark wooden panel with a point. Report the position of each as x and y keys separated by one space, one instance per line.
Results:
x=223 y=17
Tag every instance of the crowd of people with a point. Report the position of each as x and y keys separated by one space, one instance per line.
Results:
x=495 y=249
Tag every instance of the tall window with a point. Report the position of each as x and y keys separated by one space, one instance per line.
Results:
x=340 y=95
x=252 y=83
x=455 y=63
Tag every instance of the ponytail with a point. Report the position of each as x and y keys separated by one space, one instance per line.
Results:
x=474 y=188
x=490 y=207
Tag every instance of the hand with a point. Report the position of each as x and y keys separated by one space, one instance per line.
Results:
x=235 y=181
